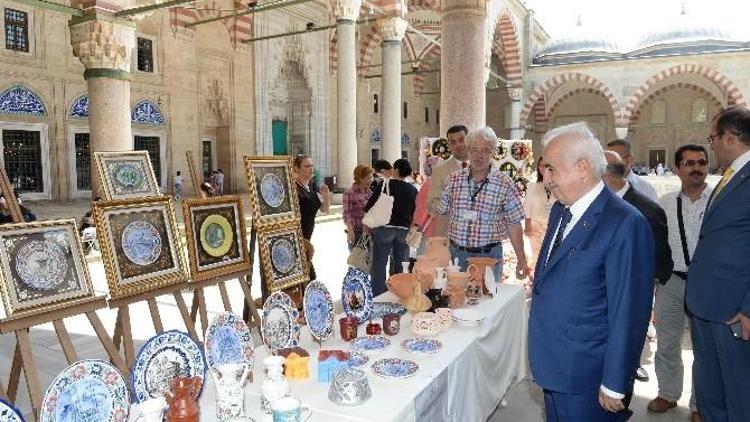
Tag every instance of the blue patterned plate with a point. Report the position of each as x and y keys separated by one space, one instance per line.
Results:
x=282 y=256
x=228 y=340
x=318 y=308
x=371 y=343
x=395 y=368
x=164 y=357
x=87 y=390
x=272 y=190
x=357 y=359
x=381 y=309
x=8 y=412
x=421 y=345
x=279 y=327
x=356 y=295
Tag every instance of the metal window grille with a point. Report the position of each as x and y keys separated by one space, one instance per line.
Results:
x=83 y=161
x=22 y=154
x=427 y=115
x=406 y=110
x=16 y=30
x=207 y=158
x=152 y=145
x=145 y=55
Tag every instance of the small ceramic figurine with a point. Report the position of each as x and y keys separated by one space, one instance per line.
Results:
x=183 y=403
x=230 y=398
x=275 y=385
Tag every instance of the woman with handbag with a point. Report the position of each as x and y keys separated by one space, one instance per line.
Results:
x=311 y=199
x=389 y=239
x=354 y=202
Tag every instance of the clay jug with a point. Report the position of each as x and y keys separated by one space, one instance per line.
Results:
x=425 y=268
x=477 y=267
x=400 y=284
x=183 y=402
x=437 y=249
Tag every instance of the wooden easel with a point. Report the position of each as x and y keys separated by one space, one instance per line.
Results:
x=23 y=358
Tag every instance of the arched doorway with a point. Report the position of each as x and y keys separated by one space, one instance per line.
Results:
x=290 y=110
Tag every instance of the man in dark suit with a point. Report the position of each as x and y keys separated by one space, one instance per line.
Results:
x=592 y=292
x=718 y=282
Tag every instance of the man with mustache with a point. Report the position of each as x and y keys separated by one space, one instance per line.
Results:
x=684 y=209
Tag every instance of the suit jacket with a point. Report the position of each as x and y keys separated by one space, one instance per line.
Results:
x=440 y=176
x=591 y=302
x=718 y=284
x=657 y=219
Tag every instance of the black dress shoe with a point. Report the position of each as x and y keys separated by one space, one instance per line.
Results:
x=641 y=374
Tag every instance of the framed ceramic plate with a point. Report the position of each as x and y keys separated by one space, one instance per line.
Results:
x=42 y=267
x=216 y=236
x=395 y=368
x=140 y=245
x=228 y=340
x=356 y=295
x=318 y=308
x=282 y=258
x=371 y=344
x=9 y=413
x=273 y=195
x=421 y=345
x=279 y=327
x=126 y=174
x=164 y=357
x=88 y=390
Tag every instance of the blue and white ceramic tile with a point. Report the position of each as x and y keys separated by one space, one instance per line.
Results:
x=282 y=256
x=147 y=113
x=371 y=343
x=88 y=390
x=272 y=190
x=395 y=368
x=21 y=100
x=421 y=345
x=9 y=413
x=164 y=357
x=357 y=359
x=318 y=307
x=141 y=242
x=228 y=340
x=356 y=295
x=279 y=326
x=80 y=108
x=381 y=309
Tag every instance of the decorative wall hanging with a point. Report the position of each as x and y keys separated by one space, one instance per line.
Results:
x=273 y=195
x=282 y=257
x=126 y=174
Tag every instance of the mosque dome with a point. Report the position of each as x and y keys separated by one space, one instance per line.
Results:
x=581 y=45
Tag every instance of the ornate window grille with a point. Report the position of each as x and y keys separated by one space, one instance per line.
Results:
x=16 y=30
x=145 y=55
x=83 y=161
x=152 y=145
x=22 y=154
x=207 y=158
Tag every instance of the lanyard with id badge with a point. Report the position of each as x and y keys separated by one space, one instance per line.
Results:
x=472 y=215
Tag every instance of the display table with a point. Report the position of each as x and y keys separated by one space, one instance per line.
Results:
x=464 y=381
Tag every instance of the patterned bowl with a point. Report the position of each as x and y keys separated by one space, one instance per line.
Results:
x=349 y=387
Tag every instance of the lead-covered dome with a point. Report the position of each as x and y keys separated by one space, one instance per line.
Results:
x=580 y=45
x=687 y=35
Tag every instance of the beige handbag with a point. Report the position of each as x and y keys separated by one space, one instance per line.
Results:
x=361 y=255
x=380 y=213
x=414 y=236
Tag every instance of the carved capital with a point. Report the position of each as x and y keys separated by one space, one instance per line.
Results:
x=393 y=29
x=103 y=44
x=515 y=94
x=346 y=9
x=477 y=6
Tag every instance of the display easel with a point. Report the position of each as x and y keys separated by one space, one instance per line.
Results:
x=23 y=358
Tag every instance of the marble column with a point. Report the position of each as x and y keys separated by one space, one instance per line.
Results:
x=463 y=64
x=516 y=130
x=621 y=132
x=346 y=12
x=393 y=30
x=104 y=47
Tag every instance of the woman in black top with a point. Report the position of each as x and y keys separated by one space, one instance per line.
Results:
x=311 y=198
x=391 y=238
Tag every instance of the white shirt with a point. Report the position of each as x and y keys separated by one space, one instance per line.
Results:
x=624 y=190
x=738 y=163
x=692 y=216
x=642 y=185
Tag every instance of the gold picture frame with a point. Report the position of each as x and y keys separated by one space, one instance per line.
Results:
x=140 y=245
x=283 y=260
x=126 y=174
x=42 y=267
x=273 y=193
x=216 y=236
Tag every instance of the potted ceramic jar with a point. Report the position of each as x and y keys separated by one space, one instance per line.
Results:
x=425 y=324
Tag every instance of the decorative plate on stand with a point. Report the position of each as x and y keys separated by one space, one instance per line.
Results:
x=272 y=190
x=88 y=390
x=228 y=340
x=371 y=344
x=395 y=368
x=356 y=295
x=318 y=308
x=164 y=357
x=9 y=413
x=279 y=327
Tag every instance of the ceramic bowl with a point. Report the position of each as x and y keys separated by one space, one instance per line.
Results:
x=445 y=316
x=425 y=324
x=349 y=387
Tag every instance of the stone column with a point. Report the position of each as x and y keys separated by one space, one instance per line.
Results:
x=104 y=47
x=621 y=132
x=463 y=64
x=346 y=12
x=393 y=30
x=516 y=130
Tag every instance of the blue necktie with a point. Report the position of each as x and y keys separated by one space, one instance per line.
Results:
x=564 y=220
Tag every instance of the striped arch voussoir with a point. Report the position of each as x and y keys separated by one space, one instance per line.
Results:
x=505 y=36
x=371 y=40
x=648 y=100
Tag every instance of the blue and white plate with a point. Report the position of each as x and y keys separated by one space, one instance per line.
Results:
x=357 y=359
x=141 y=242
x=381 y=309
x=421 y=345
x=8 y=412
x=279 y=327
x=164 y=357
x=87 y=390
x=228 y=340
x=318 y=308
x=395 y=368
x=272 y=190
x=356 y=295
x=282 y=256
x=371 y=343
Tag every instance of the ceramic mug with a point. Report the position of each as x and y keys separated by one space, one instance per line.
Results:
x=425 y=324
x=290 y=409
x=348 y=327
x=445 y=316
x=391 y=324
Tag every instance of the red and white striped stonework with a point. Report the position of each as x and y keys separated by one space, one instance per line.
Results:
x=567 y=95
x=239 y=28
x=699 y=89
x=541 y=119
x=432 y=52
x=505 y=32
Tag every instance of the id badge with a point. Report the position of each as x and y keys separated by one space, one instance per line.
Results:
x=470 y=215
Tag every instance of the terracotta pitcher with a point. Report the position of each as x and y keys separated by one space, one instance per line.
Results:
x=476 y=269
x=183 y=402
x=400 y=284
x=437 y=248
x=425 y=268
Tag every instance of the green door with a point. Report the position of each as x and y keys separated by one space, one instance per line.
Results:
x=279 y=130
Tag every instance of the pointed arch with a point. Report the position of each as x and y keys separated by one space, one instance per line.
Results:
x=654 y=96
x=506 y=46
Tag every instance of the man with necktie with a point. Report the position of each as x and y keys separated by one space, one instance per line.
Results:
x=718 y=280
x=592 y=291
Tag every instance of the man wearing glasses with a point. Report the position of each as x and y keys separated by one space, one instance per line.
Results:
x=483 y=207
x=718 y=281
x=684 y=210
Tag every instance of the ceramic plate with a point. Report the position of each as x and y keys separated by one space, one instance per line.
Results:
x=357 y=359
x=279 y=327
x=8 y=413
x=356 y=295
x=41 y=264
x=380 y=309
x=467 y=315
x=421 y=345
x=163 y=358
x=395 y=368
x=141 y=242
x=88 y=390
x=282 y=256
x=228 y=340
x=371 y=343
x=272 y=190
x=318 y=308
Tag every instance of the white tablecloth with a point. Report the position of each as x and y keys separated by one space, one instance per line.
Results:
x=464 y=381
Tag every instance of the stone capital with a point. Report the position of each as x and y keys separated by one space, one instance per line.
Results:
x=103 y=44
x=477 y=6
x=393 y=28
x=515 y=94
x=346 y=9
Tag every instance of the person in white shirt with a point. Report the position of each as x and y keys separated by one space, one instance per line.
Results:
x=536 y=206
x=625 y=149
x=219 y=178
x=456 y=136
x=178 y=181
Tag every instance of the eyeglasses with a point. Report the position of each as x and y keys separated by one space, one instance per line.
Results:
x=712 y=138
x=693 y=163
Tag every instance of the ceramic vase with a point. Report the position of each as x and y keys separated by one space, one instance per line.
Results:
x=183 y=402
x=230 y=398
x=477 y=268
x=275 y=385
x=437 y=248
